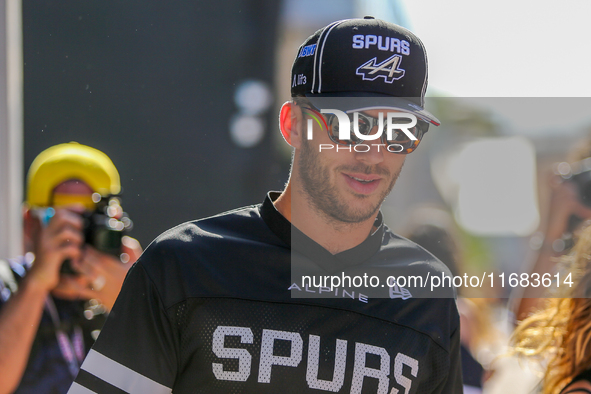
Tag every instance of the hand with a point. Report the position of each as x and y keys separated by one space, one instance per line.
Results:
x=59 y=241
x=101 y=275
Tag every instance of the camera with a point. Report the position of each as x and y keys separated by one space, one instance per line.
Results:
x=580 y=174
x=103 y=228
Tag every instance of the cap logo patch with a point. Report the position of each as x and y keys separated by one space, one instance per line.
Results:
x=389 y=44
x=299 y=79
x=388 y=69
x=308 y=50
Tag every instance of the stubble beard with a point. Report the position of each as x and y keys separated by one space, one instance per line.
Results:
x=323 y=196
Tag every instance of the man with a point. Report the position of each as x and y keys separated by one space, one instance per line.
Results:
x=218 y=305
x=44 y=330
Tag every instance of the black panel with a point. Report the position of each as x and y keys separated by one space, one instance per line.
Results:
x=152 y=84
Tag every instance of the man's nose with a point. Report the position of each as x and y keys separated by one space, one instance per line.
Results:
x=370 y=152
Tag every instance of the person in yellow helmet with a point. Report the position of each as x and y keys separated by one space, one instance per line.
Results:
x=71 y=211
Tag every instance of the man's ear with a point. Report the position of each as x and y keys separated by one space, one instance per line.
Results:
x=289 y=120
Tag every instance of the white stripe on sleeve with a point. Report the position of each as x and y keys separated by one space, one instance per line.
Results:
x=79 y=389
x=120 y=376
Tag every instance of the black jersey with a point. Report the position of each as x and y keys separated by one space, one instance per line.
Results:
x=209 y=308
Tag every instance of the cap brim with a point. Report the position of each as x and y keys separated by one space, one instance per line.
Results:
x=349 y=102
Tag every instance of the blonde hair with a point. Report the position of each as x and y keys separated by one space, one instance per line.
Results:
x=559 y=335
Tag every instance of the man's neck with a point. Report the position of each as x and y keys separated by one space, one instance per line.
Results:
x=332 y=235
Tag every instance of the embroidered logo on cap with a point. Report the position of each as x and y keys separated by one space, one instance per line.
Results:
x=308 y=50
x=388 y=69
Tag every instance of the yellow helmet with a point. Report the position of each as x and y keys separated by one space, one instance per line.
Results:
x=70 y=161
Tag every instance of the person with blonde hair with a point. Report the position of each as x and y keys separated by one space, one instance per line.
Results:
x=559 y=334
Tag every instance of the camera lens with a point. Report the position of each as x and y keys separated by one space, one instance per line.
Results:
x=67 y=269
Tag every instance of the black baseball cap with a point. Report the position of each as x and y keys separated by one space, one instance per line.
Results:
x=363 y=63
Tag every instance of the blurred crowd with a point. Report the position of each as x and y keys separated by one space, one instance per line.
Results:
x=538 y=340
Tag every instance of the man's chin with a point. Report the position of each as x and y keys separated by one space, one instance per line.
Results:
x=354 y=212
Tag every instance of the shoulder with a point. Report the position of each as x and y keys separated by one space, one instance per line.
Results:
x=580 y=384
x=427 y=275
x=411 y=254
x=238 y=223
x=187 y=260
x=579 y=387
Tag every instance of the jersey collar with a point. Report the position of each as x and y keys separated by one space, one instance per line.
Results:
x=303 y=244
